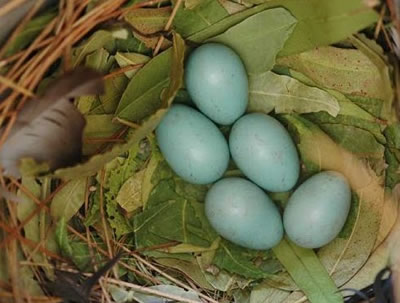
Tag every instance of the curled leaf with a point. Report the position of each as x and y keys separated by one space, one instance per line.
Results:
x=49 y=129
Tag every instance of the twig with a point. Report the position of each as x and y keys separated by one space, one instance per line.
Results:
x=8 y=83
x=167 y=26
x=123 y=70
x=103 y=252
x=10 y=6
x=31 y=215
x=172 y=279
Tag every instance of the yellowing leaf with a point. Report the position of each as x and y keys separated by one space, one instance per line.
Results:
x=98 y=40
x=349 y=71
x=126 y=59
x=190 y=268
x=69 y=199
x=147 y=21
x=269 y=91
x=130 y=195
x=98 y=127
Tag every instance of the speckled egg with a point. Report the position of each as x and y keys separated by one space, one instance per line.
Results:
x=216 y=80
x=318 y=209
x=242 y=213
x=264 y=151
x=192 y=145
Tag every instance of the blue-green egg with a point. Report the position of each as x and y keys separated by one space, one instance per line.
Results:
x=318 y=209
x=243 y=213
x=264 y=151
x=192 y=145
x=216 y=80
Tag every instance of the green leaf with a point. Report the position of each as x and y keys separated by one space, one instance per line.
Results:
x=101 y=61
x=117 y=173
x=113 y=90
x=24 y=210
x=132 y=45
x=392 y=155
x=268 y=92
x=30 y=168
x=263 y=293
x=120 y=295
x=98 y=127
x=126 y=59
x=191 y=4
x=96 y=41
x=322 y=22
x=319 y=23
x=358 y=141
x=220 y=26
x=258 y=48
x=349 y=114
x=69 y=199
x=174 y=220
x=148 y=20
x=376 y=261
x=147 y=184
x=309 y=274
x=189 y=267
x=348 y=71
x=142 y=96
x=373 y=106
x=95 y=163
x=242 y=261
x=75 y=250
x=30 y=32
x=192 y=20
x=62 y=238
x=374 y=52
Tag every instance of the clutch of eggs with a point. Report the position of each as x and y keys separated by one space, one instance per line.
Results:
x=239 y=209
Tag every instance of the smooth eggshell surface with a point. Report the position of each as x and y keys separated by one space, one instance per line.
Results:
x=216 y=80
x=317 y=210
x=192 y=145
x=242 y=213
x=264 y=151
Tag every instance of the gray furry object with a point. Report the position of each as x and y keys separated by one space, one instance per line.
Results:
x=11 y=19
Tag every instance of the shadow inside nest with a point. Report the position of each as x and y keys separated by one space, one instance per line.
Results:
x=381 y=291
x=73 y=287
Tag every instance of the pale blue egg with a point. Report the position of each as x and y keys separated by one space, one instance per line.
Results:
x=192 y=144
x=264 y=151
x=317 y=210
x=216 y=80
x=242 y=213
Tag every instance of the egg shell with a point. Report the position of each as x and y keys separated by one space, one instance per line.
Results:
x=318 y=209
x=192 y=145
x=264 y=151
x=242 y=213
x=216 y=80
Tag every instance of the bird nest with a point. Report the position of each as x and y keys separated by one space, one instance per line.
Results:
x=90 y=210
